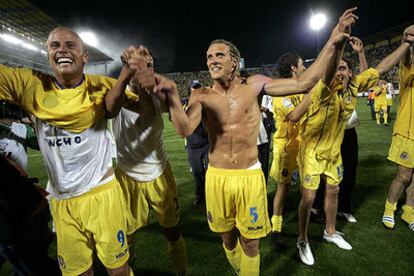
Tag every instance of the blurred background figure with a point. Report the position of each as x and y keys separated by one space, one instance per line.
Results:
x=197 y=147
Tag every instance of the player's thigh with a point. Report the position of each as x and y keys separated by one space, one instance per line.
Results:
x=163 y=198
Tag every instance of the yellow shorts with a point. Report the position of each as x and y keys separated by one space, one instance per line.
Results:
x=311 y=168
x=283 y=166
x=390 y=102
x=160 y=194
x=237 y=198
x=94 y=219
x=402 y=151
x=381 y=106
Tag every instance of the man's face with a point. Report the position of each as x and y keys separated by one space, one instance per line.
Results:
x=220 y=63
x=343 y=73
x=300 y=68
x=150 y=62
x=66 y=53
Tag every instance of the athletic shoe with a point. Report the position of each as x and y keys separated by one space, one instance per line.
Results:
x=337 y=239
x=388 y=217
x=305 y=253
x=348 y=216
x=408 y=216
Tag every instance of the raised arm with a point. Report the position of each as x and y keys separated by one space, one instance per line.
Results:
x=408 y=35
x=184 y=123
x=324 y=66
x=358 y=47
x=400 y=54
x=295 y=115
x=115 y=97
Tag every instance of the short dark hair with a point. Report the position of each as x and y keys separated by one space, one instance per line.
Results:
x=284 y=64
x=349 y=63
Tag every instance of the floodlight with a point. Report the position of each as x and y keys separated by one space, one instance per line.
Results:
x=317 y=21
x=89 y=38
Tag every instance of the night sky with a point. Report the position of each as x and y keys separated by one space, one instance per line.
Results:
x=179 y=32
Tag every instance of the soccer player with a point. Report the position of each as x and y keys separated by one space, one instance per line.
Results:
x=197 y=147
x=381 y=102
x=143 y=169
x=321 y=134
x=285 y=139
x=235 y=187
x=402 y=146
x=71 y=110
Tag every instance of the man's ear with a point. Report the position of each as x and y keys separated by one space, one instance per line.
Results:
x=85 y=57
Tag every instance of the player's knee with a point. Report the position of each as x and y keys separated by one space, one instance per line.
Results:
x=332 y=190
x=88 y=272
x=250 y=246
x=404 y=177
x=229 y=239
x=308 y=197
x=124 y=270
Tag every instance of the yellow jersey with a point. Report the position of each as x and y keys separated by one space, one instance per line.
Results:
x=286 y=136
x=348 y=99
x=318 y=125
x=404 y=124
x=72 y=109
x=380 y=95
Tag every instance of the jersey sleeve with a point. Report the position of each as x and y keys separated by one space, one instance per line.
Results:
x=283 y=106
x=366 y=79
x=406 y=75
x=13 y=83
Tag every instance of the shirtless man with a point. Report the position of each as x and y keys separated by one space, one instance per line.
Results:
x=235 y=186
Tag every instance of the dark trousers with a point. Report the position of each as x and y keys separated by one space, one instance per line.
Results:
x=198 y=159
x=264 y=150
x=349 y=151
x=371 y=104
x=28 y=253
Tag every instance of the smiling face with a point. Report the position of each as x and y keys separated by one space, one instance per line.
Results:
x=66 y=54
x=221 y=64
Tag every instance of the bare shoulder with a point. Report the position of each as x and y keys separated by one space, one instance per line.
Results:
x=199 y=94
x=258 y=79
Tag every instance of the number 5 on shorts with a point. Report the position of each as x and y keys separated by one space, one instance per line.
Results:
x=254 y=214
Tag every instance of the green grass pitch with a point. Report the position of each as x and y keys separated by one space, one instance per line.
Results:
x=376 y=250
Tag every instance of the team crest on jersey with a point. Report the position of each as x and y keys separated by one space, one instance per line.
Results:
x=61 y=262
x=404 y=155
x=287 y=103
x=209 y=217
